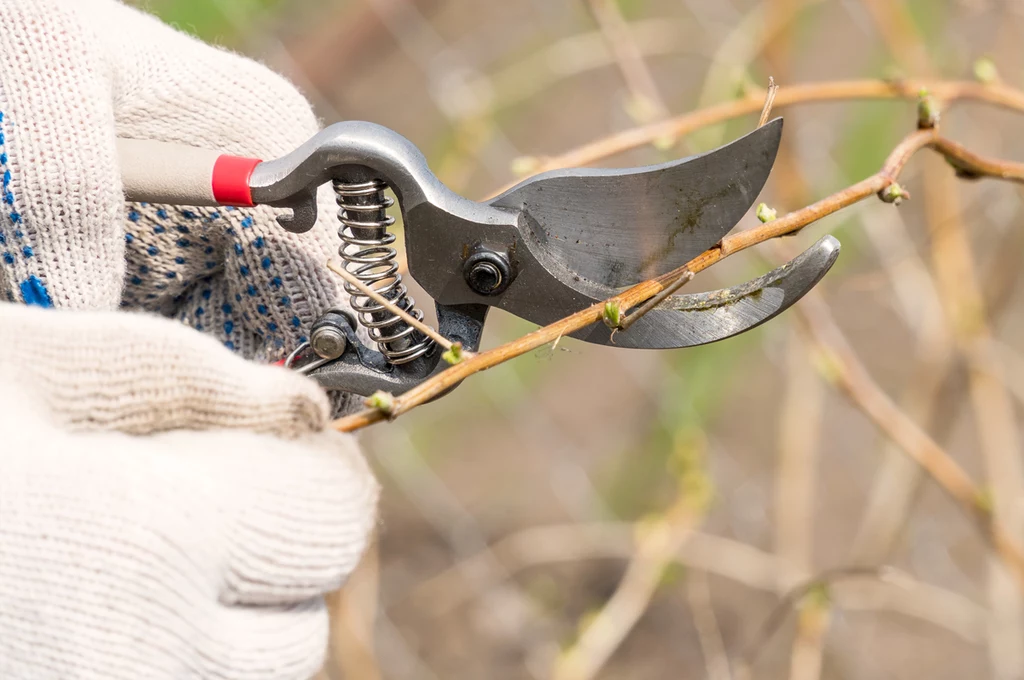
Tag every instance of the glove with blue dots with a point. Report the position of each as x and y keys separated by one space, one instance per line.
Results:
x=74 y=76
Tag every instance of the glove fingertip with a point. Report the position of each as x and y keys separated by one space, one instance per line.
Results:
x=292 y=405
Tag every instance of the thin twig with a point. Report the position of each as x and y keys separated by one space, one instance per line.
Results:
x=963 y=301
x=789 y=600
x=992 y=407
x=995 y=94
x=630 y=319
x=896 y=481
x=801 y=412
x=393 y=308
x=903 y=39
x=802 y=409
x=807 y=655
x=726 y=558
x=769 y=100
x=730 y=245
x=605 y=632
x=629 y=59
x=802 y=406
x=709 y=633
x=658 y=542
x=839 y=365
x=760 y=31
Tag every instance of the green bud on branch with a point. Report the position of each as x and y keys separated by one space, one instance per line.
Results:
x=382 y=401
x=894 y=194
x=927 y=111
x=454 y=355
x=612 y=314
x=766 y=214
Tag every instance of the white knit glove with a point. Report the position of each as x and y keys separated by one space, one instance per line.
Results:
x=75 y=75
x=167 y=510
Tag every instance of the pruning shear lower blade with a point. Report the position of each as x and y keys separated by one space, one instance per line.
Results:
x=702 y=318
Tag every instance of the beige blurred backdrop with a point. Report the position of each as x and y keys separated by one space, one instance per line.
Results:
x=512 y=507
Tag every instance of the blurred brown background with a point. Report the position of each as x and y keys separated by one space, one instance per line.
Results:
x=512 y=507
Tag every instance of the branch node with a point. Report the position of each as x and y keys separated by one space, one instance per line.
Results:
x=927 y=110
x=612 y=314
x=894 y=194
x=382 y=401
x=766 y=214
x=455 y=354
x=654 y=301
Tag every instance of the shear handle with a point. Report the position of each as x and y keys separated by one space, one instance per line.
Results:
x=162 y=172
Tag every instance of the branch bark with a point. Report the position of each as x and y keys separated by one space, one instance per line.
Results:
x=944 y=91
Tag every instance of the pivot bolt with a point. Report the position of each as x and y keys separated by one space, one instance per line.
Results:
x=328 y=341
x=487 y=272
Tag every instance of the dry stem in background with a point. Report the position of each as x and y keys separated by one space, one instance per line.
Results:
x=658 y=541
x=960 y=294
x=944 y=91
x=726 y=558
x=647 y=104
x=616 y=618
x=840 y=366
x=882 y=183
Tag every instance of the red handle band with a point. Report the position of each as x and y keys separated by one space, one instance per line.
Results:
x=231 y=180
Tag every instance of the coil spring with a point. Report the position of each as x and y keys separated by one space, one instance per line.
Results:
x=367 y=253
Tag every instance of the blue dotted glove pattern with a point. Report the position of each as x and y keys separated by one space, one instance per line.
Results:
x=216 y=270
x=16 y=249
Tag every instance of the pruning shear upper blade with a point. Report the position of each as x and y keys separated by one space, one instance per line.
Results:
x=617 y=227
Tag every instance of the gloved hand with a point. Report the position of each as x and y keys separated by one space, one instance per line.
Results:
x=75 y=75
x=166 y=509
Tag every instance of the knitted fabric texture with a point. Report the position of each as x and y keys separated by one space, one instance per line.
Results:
x=167 y=508
x=77 y=74
x=201 y=549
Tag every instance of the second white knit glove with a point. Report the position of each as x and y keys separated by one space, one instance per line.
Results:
x=167 y=510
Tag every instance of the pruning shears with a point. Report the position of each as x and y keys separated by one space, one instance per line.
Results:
x=548 y=247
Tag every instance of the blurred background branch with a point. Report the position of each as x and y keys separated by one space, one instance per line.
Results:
x=517 y=509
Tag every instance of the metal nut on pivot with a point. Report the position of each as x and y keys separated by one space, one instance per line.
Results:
x=328 y=341
x=487 y=272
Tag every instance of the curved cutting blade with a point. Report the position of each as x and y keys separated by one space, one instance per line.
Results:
x=614 y=227
x=688 y=320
